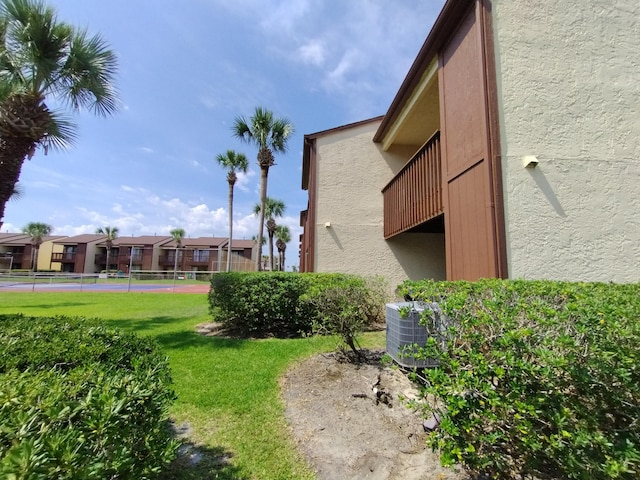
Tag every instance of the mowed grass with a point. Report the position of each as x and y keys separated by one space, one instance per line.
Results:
x=228 y=390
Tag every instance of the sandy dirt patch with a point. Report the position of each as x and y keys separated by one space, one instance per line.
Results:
x=350 y=423
x=349 y=419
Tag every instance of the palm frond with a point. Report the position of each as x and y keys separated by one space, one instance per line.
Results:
x=233 y=161
x=264 y=130
x=37 y=230
x=281 y=130
x=178 y=234
x=110 y=232
x=18 y=192
x=241 y=130
x=8 y=87
x=283 y=233
x=61 y=134
x=87 y=77
x=38 y=42
x=273 y=208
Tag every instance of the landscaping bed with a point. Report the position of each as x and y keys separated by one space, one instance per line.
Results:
x=350 y=421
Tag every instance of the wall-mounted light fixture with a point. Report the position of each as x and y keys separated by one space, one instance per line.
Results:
x=327 y=224
x=530 y=161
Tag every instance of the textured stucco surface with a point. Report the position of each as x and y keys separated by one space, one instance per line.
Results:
x=352 y=170
x=569 y=93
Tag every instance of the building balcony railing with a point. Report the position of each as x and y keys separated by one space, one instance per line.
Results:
x=167 y=260
x=135 y=259
x=65 y=257
x=197 y=259
x=117 y=259
x=414 y=195
x=187 y=260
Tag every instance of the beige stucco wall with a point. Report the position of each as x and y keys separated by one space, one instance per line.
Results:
x=44 y=256
x=89 y=261
x=569 y=93
x=352 y=170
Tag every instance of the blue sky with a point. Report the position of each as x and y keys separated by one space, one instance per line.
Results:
x=186 y=70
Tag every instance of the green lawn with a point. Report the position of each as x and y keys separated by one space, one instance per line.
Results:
x=227 y=390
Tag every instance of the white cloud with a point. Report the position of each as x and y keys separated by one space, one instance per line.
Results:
x=73 y=230
x=209 y=101
x=243 y=180
x=313 y=53
x=284 y=17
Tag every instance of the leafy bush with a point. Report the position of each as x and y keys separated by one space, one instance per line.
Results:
x=287 y=304
x=536 y=378
x=79 y=400
x=259 y=304
x=342 y=312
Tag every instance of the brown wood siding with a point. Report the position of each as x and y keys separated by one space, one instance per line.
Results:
x=493 y=128
x=27 y=258
x=81 y=255
x=147 y=257
x=414 y=195
x=307 y=249
x=469 y=229
x=470 y=224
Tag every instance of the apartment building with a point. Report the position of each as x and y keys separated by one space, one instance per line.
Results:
x=511 y=149
x=17 y=252
x=88 y=253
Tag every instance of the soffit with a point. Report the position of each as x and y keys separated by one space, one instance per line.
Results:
x=419 y=117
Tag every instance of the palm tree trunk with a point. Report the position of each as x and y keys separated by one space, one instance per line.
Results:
x=13 y=151
x=271 y=263
x=107 y=266
x=282 y=258
x=230 y=226
x=175 y=265
x=34 y=267
x=264 y=173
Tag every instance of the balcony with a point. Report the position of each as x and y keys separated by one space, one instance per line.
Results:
x=198 y=258
x=414 y=195
x=65 y=257
x=168 y=259
x=17 y=257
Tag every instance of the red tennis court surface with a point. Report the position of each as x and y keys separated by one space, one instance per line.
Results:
x=104 y=287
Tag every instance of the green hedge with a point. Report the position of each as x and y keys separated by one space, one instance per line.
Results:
x=79 y=401
x=289 y=304
x=537 y=378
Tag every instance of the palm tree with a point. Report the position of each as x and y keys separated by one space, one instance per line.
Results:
x=233 y=162
x=263 y=259
x=272 y=209
x=177 y=234
x=112 y=234
x=42 y=57
x=283 y=234
x=37 y=231
x=17 y=194
x=270 y=135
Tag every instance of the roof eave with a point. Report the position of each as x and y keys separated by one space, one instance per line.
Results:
x=447 y=20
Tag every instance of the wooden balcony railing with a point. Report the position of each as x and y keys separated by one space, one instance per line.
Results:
x=64 y=257
x=414 y=196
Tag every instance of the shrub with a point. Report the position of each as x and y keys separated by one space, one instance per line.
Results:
x=79 y=400
x=536 y=378
x=340 y=311
x=286 y=304
x=259 y=304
